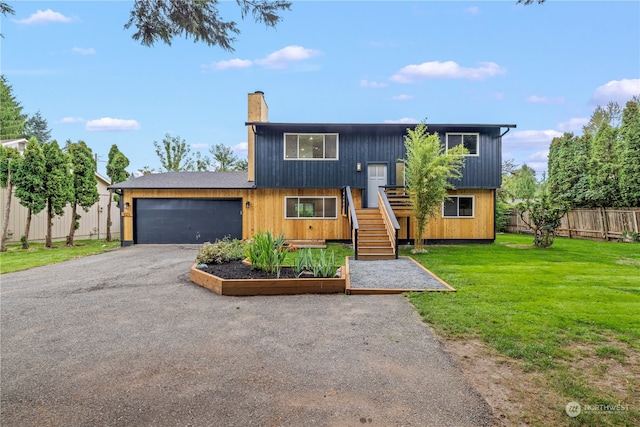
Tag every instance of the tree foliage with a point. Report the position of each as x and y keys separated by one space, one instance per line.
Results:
x=174 y=154
x=603 y=168
x=611 y=115
x=29 y=183
x=223 y=158
x=37 y=126
x=84 y=183
x=162 y=20
x=12 y=121
x=543 y=216
x=58 y=184
x=428 y=174
x=10 y=161
x=630 y=154
x=568 y=178
x=117 y=164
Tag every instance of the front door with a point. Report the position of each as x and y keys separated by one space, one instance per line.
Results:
x=377 y=177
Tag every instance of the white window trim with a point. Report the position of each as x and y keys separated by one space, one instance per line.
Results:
x=473 y=207
x=324 y=159
x=311 y=217
x=446 y=143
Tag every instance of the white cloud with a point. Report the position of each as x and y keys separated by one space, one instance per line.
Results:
x=369 y=83
x=67 y=120
x=528 y=139
x=44 y=17
x=243 y=146
x=534 y=99
x=82 y=51
x=496 y=95
x=619 y=91
x=281 y=58
x=406 y=120
x=446 y=70
x=110 y=124
x=231 y=63
x=539 y=156
x=474 y=10
x=199 y=146
x=403 y=97
x=573 y=125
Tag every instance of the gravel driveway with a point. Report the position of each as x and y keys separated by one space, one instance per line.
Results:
x=124 y=339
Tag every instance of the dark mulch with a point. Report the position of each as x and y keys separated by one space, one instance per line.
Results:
x=240 y=270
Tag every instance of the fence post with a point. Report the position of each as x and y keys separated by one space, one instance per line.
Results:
x=605 y=225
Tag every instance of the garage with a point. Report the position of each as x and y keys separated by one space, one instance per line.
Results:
x=186 y=221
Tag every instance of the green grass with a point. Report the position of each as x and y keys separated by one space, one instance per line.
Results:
x=340 y=252
x=539 y=305
x=16 y=259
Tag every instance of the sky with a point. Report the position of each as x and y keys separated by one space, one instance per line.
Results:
x=544 y=68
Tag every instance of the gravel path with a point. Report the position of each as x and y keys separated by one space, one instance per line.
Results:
x=113 y=340
x=401 y=273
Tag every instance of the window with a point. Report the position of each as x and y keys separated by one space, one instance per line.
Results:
x=311 y=207
x=468 y=140
x=458 y=207
x=307 y=146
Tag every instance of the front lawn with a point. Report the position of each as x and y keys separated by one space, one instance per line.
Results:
x=568 y=314
x=16 y=259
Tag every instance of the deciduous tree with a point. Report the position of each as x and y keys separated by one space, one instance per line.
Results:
x=10 y=161
x=29 y=183
x=117 y=164
x=543 y=216
x=84 y=184
x=428 y=174
x=223 y=158
x=58 y=184
x=174 y=154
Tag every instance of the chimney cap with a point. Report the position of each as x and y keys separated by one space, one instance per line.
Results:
x=259 y=92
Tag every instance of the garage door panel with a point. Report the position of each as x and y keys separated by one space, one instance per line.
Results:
x=175 y=221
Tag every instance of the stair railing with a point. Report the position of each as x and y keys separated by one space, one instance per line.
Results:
x=390 y=221
x=353 y=220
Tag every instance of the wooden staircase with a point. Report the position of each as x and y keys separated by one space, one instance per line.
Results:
x=374 y=242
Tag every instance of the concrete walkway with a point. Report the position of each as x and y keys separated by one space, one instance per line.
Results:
x=124 y=339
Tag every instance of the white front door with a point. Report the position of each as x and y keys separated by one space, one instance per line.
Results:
x=377 y=177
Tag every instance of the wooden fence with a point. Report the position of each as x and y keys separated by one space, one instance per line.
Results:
x=594 y=223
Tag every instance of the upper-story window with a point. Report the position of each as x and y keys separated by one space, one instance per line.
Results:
x=470 y=141
x=311 y=146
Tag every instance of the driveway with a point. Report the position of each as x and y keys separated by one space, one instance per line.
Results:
x=124 y=339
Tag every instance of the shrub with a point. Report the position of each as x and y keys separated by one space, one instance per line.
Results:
x=221 y=251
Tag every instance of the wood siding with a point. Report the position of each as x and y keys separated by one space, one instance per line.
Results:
x=265 y=211
x=480 y=227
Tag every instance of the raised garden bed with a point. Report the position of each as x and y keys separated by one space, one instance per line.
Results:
x=237 y=279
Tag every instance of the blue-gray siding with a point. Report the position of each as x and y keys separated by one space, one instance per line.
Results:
x=362 y=144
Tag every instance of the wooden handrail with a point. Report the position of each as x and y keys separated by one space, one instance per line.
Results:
x=390 y=221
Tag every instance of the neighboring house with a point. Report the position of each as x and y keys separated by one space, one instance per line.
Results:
x=93 y=224
x=304 y=178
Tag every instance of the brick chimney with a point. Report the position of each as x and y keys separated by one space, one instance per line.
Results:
x=258 y=111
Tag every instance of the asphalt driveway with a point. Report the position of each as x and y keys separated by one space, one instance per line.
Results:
x=124 y=339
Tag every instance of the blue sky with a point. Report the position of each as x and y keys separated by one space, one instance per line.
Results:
x=544 y=68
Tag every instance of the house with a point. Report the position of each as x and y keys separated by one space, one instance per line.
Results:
x=317 y=181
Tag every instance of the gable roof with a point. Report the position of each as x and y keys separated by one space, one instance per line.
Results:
x=190 y=180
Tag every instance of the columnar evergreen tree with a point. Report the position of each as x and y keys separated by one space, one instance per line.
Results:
x=603 y=168
x=630 y=154
x=12 y=121
x=10 y=161
x=428 y=174
x=37 y=126
x=29 y=183
x=568 y=178
x=116 y=171
x=84 y=183
x=57 y=185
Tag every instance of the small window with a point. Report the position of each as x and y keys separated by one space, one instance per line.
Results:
x=307 y=146
x=470 y=141
x=311 y=207
x=458 y=207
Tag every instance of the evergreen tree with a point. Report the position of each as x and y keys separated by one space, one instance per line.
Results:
x=603 y=168
x=29 y=183
x=10 y=161
x=428 y=173
x=84 y=183
x=116 y=171
x=12 y=121
x=630 y=154
x=37 y=126
x=568 y=178
x=58 y=184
